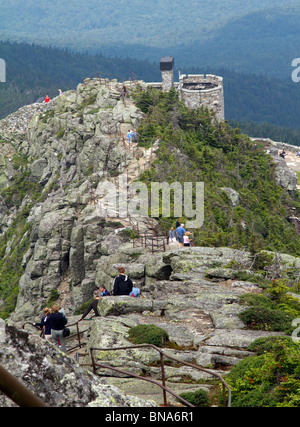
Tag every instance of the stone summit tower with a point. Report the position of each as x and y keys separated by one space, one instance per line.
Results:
x=166 y=67
x=195 y=90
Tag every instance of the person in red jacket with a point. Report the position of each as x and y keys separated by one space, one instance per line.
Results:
x=47 y=99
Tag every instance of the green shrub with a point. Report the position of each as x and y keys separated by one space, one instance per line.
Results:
x=194 y=149
x=270 y=378
x=266 y=319
x=60 y=133
x=256 y=300
x=270 y=344
x=198 y=398
x=255 y=399
x=53 y=297
x=148 y=334
x=273 y=311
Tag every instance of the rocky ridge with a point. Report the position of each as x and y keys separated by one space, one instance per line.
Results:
x=71 y=150
x=194 y=295
x=71 y=147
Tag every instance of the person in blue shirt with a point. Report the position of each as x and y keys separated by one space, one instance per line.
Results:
x=180 y=232
x=129 y=136
x=104 y=291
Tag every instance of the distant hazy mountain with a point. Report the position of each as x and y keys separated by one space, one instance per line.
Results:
x=261 y=42
x=149 y=22
x=260 y=36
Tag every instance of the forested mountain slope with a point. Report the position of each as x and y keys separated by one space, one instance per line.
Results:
x=34 y=71
x=193 y=148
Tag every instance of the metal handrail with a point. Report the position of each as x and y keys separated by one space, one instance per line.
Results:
x=17 y=392
x=150 y=241
x=25 y=398
x=162 y=355
x=165 y=389
x=77 y=334
x=42 y=334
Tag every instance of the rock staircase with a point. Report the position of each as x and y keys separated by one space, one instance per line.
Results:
x=140 y=159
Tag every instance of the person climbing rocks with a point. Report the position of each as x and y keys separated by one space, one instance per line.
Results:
x=93 y=305
x=135 y=137
x=129 y=136
x=47 y=99
x=45 y=324
x=58 y=321
x=124 y=94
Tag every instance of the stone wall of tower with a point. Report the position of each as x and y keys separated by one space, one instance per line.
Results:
x=195 y=90
x=167 y=80
x=212 y=98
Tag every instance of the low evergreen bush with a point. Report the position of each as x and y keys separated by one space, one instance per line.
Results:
x=274 y=310
x=263 y=318
x=148 y=334
x=271 y=378
x=198 y=398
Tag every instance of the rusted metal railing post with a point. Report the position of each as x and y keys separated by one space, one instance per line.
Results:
x=78 y=334
x=163 y=378
x=93 y=361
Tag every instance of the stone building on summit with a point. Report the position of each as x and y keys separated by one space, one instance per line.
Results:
x=195 y=90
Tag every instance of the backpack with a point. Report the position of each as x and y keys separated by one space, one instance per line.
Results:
x=135 y=292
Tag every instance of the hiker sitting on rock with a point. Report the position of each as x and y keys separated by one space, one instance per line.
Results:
x=122 y=284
